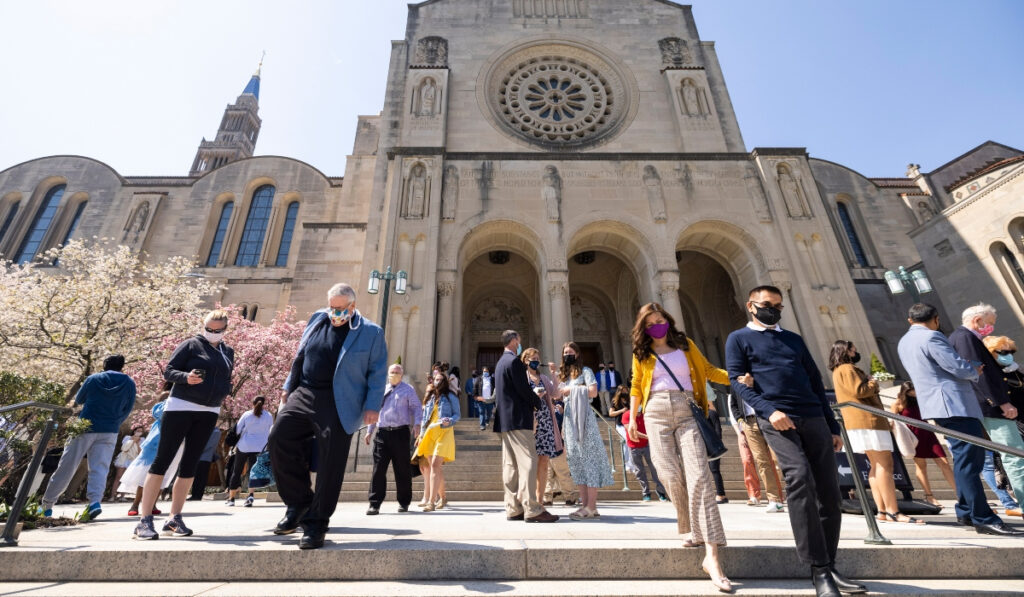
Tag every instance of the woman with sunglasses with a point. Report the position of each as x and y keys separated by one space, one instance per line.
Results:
x=200 y=370
x=1003 y=349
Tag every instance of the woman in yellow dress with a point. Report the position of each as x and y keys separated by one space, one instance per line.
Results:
x=436 y=441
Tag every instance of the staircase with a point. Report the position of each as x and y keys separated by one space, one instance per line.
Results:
x=476 y=473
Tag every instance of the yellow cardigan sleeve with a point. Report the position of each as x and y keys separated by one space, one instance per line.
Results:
x=711 y=373
x=637 y=387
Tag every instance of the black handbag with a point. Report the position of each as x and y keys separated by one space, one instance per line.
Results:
x=712 y=442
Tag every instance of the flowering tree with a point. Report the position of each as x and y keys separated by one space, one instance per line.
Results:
x=65 y=312
x=263 y=358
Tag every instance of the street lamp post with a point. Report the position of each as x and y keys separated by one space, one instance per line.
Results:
x=402 y=280
x=916 y=282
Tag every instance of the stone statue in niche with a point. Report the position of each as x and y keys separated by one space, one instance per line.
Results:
x=756 y=192
x=137 y=224
x=432 y=51
x=694 y=100
x=551 y=192
x=655 y=193
x=924 y=211
x=792 y=193
x=425 y=98
x=416 y=193
x=449 y=192
x=673 y=52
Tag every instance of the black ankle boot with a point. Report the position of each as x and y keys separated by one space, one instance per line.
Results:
x=824 y=585
x=846 y=585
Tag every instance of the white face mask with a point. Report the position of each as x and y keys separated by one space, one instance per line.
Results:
x=213 y=337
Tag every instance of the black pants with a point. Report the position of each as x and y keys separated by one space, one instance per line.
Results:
x=808 y=464
x=199 y=482
x=391 y=446
x=193 y=428
x=306 y=415
x=716 y=465
x=241 y=459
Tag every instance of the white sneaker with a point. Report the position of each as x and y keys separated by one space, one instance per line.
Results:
x=774 y=507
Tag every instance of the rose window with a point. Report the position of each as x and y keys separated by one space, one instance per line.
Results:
x=556 y=100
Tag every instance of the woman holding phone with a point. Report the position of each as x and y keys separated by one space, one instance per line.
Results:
x=200 y=370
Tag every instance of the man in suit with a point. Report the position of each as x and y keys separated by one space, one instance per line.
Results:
x=942 y=380
x=336 y=383
x=990 y=389
x=515 y=402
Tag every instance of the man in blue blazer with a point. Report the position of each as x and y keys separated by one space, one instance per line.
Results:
x=942 y=380
x=336 y=383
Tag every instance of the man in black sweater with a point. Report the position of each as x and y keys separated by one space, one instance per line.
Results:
x=794 y=415
x=513 y=421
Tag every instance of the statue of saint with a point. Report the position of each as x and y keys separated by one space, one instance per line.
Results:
x=655 y=193
x=416 y=197
x=428 y=97
x=449 y=193
x=551 y=192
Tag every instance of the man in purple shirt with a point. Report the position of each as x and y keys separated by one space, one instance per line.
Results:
x=400 y=412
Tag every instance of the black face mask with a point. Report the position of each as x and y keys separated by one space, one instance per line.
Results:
x=569 y=360
x=769 y=316
x=534 y=365
x=855 y=358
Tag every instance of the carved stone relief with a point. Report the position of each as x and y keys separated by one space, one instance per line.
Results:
x=497 y=314
x=925 y=211
x=450 y=193
x=551 y=193
x=756 y=192
x=414 y=203
x=694 y=99
x=426 y=98
x=445 y=289
x=140 y=217
x=587 y=318
x=674 y=52
x=793 y=193
x=549 y=9
x=655 y=193
x=431 y=51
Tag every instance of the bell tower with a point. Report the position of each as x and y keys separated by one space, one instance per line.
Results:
x=236 y=137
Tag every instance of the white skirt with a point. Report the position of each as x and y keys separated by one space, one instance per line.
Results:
x=134 y=476
x=869 y=439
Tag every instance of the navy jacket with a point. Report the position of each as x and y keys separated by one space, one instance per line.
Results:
x=990 y=389
x=514 y=400
x=198 y=353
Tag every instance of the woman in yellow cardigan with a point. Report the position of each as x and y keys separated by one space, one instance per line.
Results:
x=677 y=448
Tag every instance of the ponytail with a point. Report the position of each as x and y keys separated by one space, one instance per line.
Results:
x=257 y=406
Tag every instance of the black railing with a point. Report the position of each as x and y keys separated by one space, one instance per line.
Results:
x=7 y=539
x=874 y=536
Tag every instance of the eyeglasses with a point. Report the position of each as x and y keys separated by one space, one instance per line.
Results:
x=768 y=305
x=1006 y=352
x=213 y=331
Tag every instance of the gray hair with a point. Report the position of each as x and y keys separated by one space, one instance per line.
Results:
x=341 y=289
x=980 y=309
x=399 y=365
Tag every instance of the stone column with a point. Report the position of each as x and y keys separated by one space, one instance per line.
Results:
x=668 y=291
x=561 y=314
x=445 y=319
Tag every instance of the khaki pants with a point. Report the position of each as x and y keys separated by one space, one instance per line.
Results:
x=680 y=457
x=764 y=460
x=519 y=473
x=606 y=402
x=559 y=480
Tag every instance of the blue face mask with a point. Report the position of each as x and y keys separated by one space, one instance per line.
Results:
x=1004 y=359
x=519 y=349
x=486 y=374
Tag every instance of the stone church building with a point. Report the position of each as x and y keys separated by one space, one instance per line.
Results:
x=549 y=166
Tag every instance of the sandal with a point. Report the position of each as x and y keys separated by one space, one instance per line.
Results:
x=895 y=517
x=721 y=583
x=582 y=514
x=754 y=501
x=934 y=502
x=689 y=543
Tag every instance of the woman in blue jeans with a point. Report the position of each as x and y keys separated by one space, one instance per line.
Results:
x=989 y=474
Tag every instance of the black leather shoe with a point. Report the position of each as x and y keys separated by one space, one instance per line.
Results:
x=967 y=522
x=519 y=516
x=403 y=508
x=290 y=523
x=846 y=585
x=824 y=584
x=999 y=528
x=312 y=538
x=373 y=511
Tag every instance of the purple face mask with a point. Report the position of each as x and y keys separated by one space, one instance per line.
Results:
x=657 y=330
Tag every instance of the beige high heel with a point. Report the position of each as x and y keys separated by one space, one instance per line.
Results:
x=721 y=583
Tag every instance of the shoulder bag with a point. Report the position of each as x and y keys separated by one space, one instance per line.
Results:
x=712 y=443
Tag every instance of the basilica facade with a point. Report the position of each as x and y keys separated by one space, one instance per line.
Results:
x=550 y=166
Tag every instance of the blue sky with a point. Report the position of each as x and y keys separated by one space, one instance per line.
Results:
x=873 y=84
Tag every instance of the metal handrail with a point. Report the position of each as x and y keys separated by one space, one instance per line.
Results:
x=874 y=535
x=964 y=437
x=7 y=539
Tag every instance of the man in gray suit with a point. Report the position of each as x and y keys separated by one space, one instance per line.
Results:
x=942 y=380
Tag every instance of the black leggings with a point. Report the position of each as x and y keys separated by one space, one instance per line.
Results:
x=193 y=428
x=237 y=464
